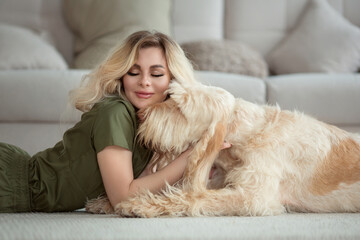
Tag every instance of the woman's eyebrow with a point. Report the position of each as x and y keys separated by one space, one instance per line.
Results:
x=157 y=66
x=153 y=66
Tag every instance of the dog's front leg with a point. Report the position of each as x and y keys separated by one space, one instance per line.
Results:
x=170 y=202
x=99 y=205
x=202 y=157
x=175 y=202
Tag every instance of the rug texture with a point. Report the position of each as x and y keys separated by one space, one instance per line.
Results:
x=82 y=225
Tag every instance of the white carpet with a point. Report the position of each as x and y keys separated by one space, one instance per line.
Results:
x=81 y=225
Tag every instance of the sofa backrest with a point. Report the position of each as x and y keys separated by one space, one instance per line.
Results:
x=259 y=23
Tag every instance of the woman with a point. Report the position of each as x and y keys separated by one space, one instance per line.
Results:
x=100 y=153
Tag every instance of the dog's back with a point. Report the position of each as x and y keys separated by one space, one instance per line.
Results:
x=317 y=165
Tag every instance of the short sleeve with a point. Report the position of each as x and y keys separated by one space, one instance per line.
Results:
x=114 y=125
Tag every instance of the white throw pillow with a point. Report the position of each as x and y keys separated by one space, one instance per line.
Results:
x=100 y=25
x=25 y=13
x=21 y=48
x=322 y=41
x=226 y=56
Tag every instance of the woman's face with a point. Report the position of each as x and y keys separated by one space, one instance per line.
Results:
x=148 y=79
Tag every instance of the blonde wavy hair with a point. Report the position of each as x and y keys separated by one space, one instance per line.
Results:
x=106 y=79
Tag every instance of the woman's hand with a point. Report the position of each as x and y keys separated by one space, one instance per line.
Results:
x=213 y=168
x=226 y=145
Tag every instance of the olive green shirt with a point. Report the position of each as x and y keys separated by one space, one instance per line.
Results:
x=62 y=178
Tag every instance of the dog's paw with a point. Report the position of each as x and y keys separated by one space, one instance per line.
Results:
x=140 y=206
x=124 y=209
x=265 y=208
x=131 y=209
x=100 y=205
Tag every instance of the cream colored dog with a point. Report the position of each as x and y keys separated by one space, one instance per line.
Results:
x=279 y=160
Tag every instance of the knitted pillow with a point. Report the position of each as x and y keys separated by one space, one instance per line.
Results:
x=226 y=56
x=322 y=41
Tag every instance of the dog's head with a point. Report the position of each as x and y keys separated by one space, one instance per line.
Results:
x=191 y=113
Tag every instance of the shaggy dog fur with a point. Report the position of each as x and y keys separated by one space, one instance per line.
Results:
x=279 y=160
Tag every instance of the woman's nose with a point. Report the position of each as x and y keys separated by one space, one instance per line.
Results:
x=144 y=81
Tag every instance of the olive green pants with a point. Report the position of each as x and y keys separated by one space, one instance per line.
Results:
x=14 y=187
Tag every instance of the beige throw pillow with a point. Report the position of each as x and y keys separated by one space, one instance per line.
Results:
x=100 y=25
x=24 y=13
x=322 y=41
x=21 y=48
x=226 y=56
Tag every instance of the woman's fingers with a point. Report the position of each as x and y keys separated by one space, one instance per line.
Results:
x=226 y=145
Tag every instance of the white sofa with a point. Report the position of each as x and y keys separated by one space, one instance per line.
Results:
x=33 y=101
x=34 y=112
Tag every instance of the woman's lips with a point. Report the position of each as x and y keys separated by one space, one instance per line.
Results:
x=144 y=95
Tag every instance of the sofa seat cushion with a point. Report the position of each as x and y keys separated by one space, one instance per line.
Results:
x=47 y=100
x=333 y=98
x=31 y=136
x=37 y=95
x=249 y=88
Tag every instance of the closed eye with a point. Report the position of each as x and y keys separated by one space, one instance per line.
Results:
x=157 y=75
x=132 y=74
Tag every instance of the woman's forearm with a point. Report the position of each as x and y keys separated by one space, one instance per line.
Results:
x=156 y=181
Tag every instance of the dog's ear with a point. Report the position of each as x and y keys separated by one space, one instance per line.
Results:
x=163 y=128
x=200 y=104
x=179 y=93
x=202 y=157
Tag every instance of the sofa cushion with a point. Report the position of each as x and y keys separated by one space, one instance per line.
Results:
x=53 y=22
x=50 y=92
x=333 y=98
x=21 y=48
x=39 y=15
x=100 y=25
x=33 y=136
x=249 y=88
x=226 y=56
x=26 y=13
x=47 y=100
x=197 y=20
x=322 y=41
